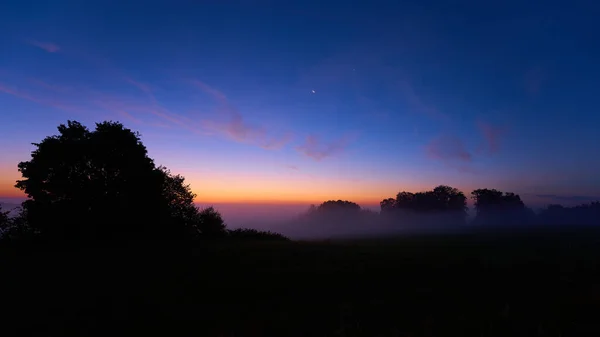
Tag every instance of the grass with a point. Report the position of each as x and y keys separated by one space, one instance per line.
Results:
x=537 y=283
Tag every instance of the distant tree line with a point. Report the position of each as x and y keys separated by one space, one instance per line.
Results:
x=101 y=185
x=492 y=208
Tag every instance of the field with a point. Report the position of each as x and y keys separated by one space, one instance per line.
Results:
x=537 y=283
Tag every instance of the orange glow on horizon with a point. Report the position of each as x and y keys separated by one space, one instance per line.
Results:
x=263 y=189
x=240 y=188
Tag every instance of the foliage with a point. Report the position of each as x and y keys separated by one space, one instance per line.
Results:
x=584 y=214
x=338 y=205
x=211 y=223
x=15 y=227
x=388 y=205
x=253 y=234
x=4 y=220
x=499 y=208
x=101 y=184
x=443 y=199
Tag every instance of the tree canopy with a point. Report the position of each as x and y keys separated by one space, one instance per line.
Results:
x=101 y=183
x=338 y=205
x=443 y=199
x=496 y=207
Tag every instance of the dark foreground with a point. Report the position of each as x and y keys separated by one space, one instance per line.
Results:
x=544 y=283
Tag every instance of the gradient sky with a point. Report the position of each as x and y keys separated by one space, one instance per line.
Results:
x=300 y=102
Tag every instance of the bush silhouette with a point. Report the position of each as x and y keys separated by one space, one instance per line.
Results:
x=253 y=234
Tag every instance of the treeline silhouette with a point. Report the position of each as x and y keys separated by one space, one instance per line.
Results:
x=102 y=185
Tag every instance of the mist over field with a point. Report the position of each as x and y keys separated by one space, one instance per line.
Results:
x=291 y=221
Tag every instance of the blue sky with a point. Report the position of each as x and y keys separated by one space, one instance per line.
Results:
x=305 y=101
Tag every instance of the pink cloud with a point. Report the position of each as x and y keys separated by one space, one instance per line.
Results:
x=47 y=46
x=50 y=86
x=492 y=134
x=216 y=94
x=417 y=103
x=313 y=147
x=127 y=108
x=40 y=100
x=130 y=117
x=154 y=108
x=448 y=149
x=142 y=86
x=235 y=127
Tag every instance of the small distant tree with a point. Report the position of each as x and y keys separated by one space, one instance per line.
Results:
x=338 y=205
x=584 y=214
x=210 y=223
x=388 y=205
x=498 y=208
x=442 y=200
x=405 y=200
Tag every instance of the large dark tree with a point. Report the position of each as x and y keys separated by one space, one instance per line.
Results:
x=86 y=184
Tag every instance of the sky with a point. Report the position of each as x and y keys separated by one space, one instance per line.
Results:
x=285 y=102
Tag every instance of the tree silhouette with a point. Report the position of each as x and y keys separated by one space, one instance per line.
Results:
x=404 y=200
x=338 y=205
x=101 y=184
x=496 y=207
x=442 y=200
x=388 y=205
x=585 y=214
x=211 y=223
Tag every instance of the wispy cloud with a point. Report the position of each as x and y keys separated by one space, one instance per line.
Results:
x=138 y=109
x=47 y=46
x=292 y=167
x=154 y=108
x=492 y=134
x=50 y=86
x=142 y=86
x=315 y=148
x=216 y=94
x=62 y=105
x=142 y=113
x=448 y=148
x=417 y=104
x=235 y=127
x=130 y=117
